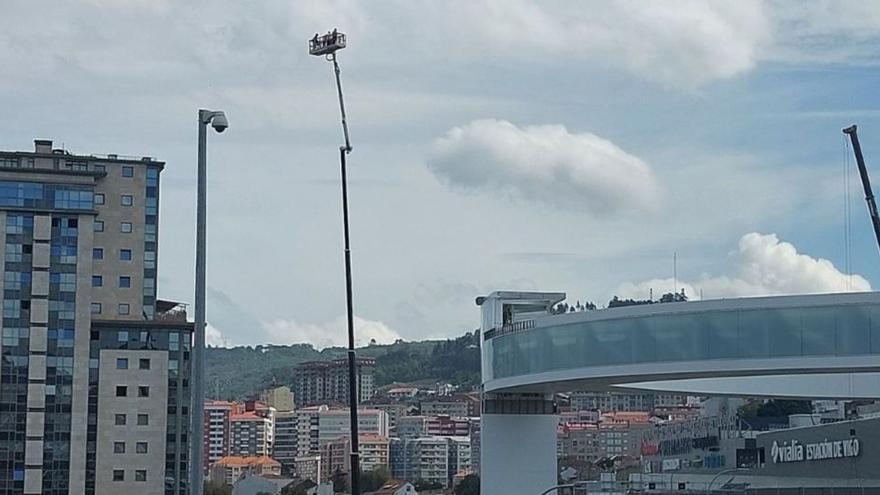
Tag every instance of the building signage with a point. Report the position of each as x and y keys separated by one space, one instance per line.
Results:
x=671 y=464
x=795 y=451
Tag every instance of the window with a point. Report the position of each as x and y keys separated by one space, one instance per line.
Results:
x=125 y=254
x=100 y=168
x=141 y=447
x=125 y=227
x=144 y=364
x=99 y=198
x=96 y=308
x=124 y=282
x=121 y=391
x=122 y=336
x=97 y=281
x=140 y=475
x=118 y=447
x=118 y=475
x=143 y=419
x=127 y=200
x=143 y=391
x=122 y=363
x=124 y=309
x=98 y=253
x=128 y=171
x=99 y=226
x=120 y=420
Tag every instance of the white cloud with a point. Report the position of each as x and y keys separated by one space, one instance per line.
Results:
x=764 y=265
x=215 y=338
x=330 y=334
x=544 y=163
x=683 y=43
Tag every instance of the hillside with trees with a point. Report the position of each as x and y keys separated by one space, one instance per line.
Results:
x=238 y=372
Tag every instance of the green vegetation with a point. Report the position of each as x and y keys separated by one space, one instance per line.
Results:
x=242 y=371
x=470 y=485
x=373 y=480
x=774 y=408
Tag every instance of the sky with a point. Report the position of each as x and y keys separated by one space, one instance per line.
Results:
x=498 y=145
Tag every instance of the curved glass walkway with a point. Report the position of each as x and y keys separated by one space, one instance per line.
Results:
x=748 y=331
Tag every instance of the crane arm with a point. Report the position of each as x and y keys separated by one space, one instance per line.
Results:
x=866 y=182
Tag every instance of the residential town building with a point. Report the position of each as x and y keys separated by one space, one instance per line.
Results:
x=96 y=368
x=285 y=447
x=412 y=427
x=253 y=430
x=334 y=423
x=281 y=398
x=336 y=454
x=218 y=430
x=326 y=382
x=445 y=426
x=230 y=469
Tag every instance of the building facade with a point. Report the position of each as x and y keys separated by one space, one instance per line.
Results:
x=281 y=398
x=230 y=469
x=285 y=445
x=326 y=382
x=218 y=430
x=253 y=434
x=335 y=423
x=86 y=345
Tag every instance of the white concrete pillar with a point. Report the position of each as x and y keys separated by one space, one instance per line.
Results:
x=517 y=453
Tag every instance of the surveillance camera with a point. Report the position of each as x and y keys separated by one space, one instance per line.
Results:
x=219 y=122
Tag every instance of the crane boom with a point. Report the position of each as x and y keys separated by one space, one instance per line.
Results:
x=866 y=182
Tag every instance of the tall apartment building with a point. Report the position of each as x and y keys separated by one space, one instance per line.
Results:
x=445 y=426
x=94 y=380
x=218 y=430
x=336 y=454
x=475 y=445
x=427 y=459
x=253 y=431
x=326 y=382
x=411 y=427
x=285 y=447
x=335 y=423
x=611 y=401
x=281 y=398
x=307 y=430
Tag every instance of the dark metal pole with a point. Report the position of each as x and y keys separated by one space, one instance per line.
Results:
x=352 y=354
x=866 y=182
x=197 y=410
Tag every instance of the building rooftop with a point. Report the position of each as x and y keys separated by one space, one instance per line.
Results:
x=234 y=460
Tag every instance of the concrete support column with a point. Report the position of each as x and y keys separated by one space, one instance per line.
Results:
x=518 y=453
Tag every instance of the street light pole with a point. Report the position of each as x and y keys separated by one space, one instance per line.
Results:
x=197 y=408
x=326 y=46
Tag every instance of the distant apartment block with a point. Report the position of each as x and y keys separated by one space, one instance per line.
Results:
x=218 y=430
x=253 y=430
x=326 y=382
x=411 y=427
x=460 y=405
x=446 y=426
x=431 y=459
x=475 y=445
x=281 y=398
x=335 y=423
x=445 y=408
x=95 y=369
x=229 y=469
x=285 y=446
x=336 y=454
